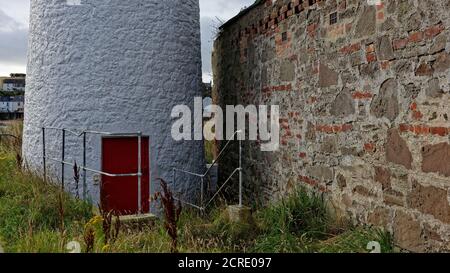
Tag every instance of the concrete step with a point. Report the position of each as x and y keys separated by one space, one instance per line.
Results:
x=142 y=219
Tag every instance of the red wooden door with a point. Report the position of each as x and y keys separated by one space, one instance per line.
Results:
x=120 y=156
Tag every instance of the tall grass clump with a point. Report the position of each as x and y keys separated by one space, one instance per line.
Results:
x=355 y=240
x=292 y=223
x=172 y=211
x=28 y=205
x=11 y=139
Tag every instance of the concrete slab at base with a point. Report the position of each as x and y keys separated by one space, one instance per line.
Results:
x=137 y=219
x=131 y=220
x=135 y=222
x=239 y=214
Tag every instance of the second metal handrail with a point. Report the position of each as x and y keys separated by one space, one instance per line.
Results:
x=202 y=176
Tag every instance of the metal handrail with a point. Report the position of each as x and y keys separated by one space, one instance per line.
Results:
x=187 y=203
x=187 y=172
x=222 y=151
x=84 y=167
x=80 y=133
x=215 y=160
x=202 y=176
x=60 y=129
x=221 y=187
x=92 y=170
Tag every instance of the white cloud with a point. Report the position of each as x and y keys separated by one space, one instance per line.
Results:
x=14 y=30
x=13 y=41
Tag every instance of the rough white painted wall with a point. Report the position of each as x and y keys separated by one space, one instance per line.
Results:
x=112 y=65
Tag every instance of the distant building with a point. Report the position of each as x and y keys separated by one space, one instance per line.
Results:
x=12 y=104
x=15 y=82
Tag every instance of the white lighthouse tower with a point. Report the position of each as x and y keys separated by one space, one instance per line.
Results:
x=111 y=66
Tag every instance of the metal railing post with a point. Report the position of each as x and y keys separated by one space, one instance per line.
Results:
x=84 y=167
x=240 y=170
x=139 y=172
x=202 y=191
x=63 y=155
x=44 y=160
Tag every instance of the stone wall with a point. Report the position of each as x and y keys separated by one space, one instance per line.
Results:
x=365 y=104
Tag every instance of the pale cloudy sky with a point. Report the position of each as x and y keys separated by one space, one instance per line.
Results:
x=14 y=30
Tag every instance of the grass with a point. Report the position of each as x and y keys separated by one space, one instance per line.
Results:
x=356 y=240
x=293 y=223
x=29 y=208
x=210 y=147
x=36 y=217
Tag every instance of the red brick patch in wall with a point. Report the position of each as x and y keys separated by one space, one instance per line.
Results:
x=381 y=12
x=350 y=48
x=371 y=56
x=279 y=14
x=268 y=90
x=288 y=133
x=385 y=65
x=424 y=130
x=312 y=182
x=370 y=147
x=330 y=129
x=415 y=37
x=416 y=114
x=359 y=95
x=418 y=36
x=380 y=6
x=287 y=87
x=433 y=31
x=400 y=43
x=283 y=42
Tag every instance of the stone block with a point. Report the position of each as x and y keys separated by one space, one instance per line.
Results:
x=436 y=159
x=430 y=200
x=366 y=24
x=343 y=105
x=408 y=232
x=380 y=217
x=385 y=104
x=384 y=48
x=397 y=150
x=327 y=76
